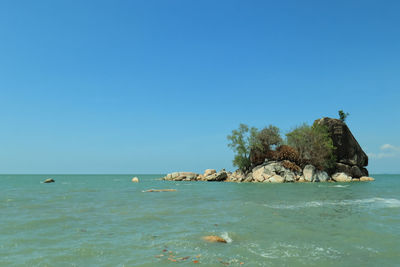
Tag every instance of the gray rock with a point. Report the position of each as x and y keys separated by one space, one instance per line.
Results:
x=289 y=176
x=321 y=176
x=356 y=172
x=309 y=173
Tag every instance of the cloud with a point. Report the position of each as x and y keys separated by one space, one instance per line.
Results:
x=390 y=147
x=387 y=151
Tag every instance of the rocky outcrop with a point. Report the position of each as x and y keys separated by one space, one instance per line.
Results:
x=350 y=157
x=47 y=181
x=268 y=172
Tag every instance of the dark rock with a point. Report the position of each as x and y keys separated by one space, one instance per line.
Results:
x=347 y=151
x=340 y=167
x=356 y=172
x=217 y=177
x=50 y=180
x=364 y=172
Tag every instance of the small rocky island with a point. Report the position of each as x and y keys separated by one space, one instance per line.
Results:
x=345 y=162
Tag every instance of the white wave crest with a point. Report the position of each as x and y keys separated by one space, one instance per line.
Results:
x=375 y=202
x=226 y=236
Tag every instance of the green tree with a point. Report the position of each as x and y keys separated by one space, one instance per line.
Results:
x=314 y=144
x=242 y=141
x=268 y=137
x=342 y=115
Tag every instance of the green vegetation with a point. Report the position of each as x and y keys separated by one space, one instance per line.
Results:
x=242 y=141
x=268 y=137
x=342 y=115
x=314 y=145
x=305 y=145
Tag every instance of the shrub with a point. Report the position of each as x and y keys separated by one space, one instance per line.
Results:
x=314 y=145
x=286 y=152
x=291 y=166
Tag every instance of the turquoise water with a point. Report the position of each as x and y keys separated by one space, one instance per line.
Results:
x=106 y=220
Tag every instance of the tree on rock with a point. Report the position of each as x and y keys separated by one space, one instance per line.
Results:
x=314 y=145
x=242 y=141
x=269 y=137
x=342 y=115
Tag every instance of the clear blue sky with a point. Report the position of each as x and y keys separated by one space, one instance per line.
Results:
x=155 y=86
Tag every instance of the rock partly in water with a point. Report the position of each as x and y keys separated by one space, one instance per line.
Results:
x=366 y=179
x=321 y=176
x=181 y=176
x=214 y=239
x=47 y=181
x=341 y=177
x=236 y=176
x=350 y=157
x=160 y=190
x=135 y=180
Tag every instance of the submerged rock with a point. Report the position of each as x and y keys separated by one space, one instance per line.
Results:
x=214 y=239
x=160 y=190
x=366 y=179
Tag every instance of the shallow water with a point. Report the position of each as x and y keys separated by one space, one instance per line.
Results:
x=106 y=220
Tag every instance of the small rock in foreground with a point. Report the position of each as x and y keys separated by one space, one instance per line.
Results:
x=214 y=239
x=50 y=180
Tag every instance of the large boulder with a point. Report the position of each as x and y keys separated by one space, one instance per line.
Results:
x=347 y=151
x=341 y=177
x=321 y=176
x=209 y=172
x=309 y=173
x=260 y=174
x=217 y=177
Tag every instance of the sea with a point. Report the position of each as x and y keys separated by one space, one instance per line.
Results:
x=107 y=220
